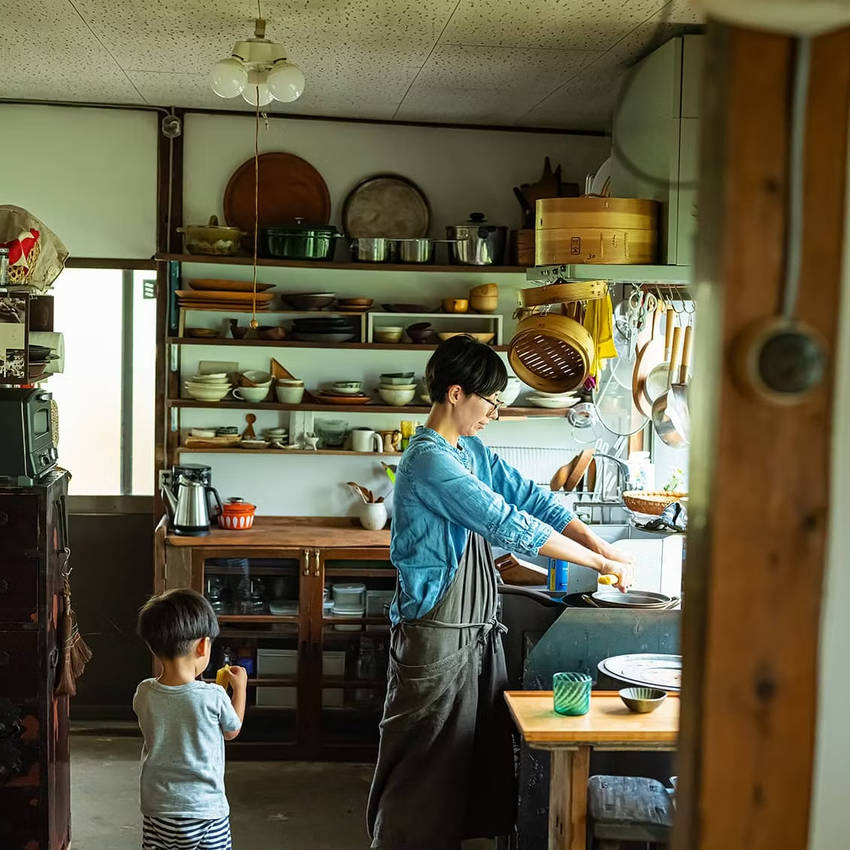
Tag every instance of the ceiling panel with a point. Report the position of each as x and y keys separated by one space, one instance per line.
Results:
x=49 y=53
x=574 y=24
x=530 y=62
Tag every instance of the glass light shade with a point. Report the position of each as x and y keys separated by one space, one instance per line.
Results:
x=286 y=82
x=228 y=78
x=257 y=89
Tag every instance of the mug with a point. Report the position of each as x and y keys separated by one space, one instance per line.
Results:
x=365 y=440
x=253 y=395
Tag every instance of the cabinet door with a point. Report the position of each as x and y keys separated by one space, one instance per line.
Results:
x=20 y=563
x=353 y=639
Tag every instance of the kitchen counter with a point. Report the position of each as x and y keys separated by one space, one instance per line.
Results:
x=286 y=532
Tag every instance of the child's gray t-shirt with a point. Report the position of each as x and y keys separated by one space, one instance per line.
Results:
x=183 y=753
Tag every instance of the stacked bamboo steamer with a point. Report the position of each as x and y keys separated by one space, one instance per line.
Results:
x=592 y=229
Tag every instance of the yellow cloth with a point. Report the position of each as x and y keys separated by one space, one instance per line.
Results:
x=599 y=322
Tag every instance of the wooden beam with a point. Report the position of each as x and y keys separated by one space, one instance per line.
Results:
x=760 y=473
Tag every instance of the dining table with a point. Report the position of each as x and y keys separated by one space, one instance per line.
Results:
x=608 y=725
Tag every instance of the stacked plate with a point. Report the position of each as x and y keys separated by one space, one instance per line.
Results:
x=210 y=294
x=212 y=387
x=552 y=400
x=344 y=392
x=327 y=329
x=354 y=305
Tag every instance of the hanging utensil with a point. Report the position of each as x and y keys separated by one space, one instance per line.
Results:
x=664 y=425
x=647 y=357
x=677 y=401
x=656 y=379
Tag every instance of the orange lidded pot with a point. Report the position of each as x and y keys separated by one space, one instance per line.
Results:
x=236 y=514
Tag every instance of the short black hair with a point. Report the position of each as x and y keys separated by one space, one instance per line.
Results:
x=168 y=623
x=470 y=364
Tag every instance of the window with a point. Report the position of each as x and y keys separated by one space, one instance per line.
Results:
x=106 y=393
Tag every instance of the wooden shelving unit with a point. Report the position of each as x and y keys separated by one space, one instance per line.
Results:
x=293 y=343
x=201 y=259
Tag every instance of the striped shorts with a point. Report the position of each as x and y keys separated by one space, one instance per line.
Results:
x=185 y=834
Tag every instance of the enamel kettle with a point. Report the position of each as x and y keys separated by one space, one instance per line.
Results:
x=189 y=509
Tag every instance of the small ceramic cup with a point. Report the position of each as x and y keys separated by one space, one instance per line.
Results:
x=572 y=693
x=289 y=394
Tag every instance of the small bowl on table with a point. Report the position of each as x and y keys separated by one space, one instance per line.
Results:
x=388 y=335
x=642 y=700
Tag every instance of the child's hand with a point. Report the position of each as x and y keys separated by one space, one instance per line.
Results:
x=237 y=677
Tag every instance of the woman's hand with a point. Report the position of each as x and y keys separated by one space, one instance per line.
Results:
x=622 y=568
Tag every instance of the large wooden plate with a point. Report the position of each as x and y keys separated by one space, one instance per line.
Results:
x=290 y=188
x=207 y=283
x=386 y=205
x=222 y=297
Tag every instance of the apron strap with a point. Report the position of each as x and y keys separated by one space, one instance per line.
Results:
x=489 y=625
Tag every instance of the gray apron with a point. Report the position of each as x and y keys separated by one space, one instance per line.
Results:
x=445 y=768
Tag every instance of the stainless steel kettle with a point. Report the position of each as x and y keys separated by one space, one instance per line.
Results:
x=189 y=509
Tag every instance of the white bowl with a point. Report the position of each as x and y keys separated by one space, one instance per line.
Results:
x=402 y=387
x=206 y=394
x=550 y=402
x=289 y=395
x=395 y=396
x=212 y=378
x=258 y=377
x=290 y=382
x=207 y=385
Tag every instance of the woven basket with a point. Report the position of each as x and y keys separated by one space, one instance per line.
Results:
x=651 y=502
x=551 y=353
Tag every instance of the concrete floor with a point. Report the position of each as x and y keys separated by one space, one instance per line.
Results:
x=274 y=805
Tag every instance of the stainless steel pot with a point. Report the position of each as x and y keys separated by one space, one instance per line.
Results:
x=371 y=249
x=416 y=250
x=477 y=243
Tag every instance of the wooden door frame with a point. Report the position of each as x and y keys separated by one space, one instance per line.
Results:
x=760 y=473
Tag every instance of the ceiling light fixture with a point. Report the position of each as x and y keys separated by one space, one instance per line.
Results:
x=258 y=70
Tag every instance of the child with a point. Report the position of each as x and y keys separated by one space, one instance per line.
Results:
x=185 y=724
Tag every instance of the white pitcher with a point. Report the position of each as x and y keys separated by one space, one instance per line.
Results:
x=365 y=440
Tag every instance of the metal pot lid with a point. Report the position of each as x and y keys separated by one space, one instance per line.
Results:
x=653 y=670
x=631 y=599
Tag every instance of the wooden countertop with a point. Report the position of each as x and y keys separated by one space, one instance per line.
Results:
x=290 y=532
x=607 y=722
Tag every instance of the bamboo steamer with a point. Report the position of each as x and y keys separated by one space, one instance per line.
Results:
x=596 y=230
x=525 y=247
x=562 y=293
x=551 y=353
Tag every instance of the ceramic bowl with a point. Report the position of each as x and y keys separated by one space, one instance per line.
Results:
x=274 y=332
x=642 y=700
x=347 y=387
x=395 y=396
x=254 y=444
x=480 y=337
x=212 y=378
x=455 y=305
x=397 y=387
x=200 y=393
x=510 y=393
x=484 y=303
x=396 y=378
x=257 y=377
x=422 y=333
x=387 y=335
x=290 y=382
x=253 y=395
x=289 y=395
x=484 y=290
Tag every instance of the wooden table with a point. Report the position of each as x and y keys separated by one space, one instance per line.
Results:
x=609 y=725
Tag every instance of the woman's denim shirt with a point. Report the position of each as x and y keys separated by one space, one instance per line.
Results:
x=441 y=494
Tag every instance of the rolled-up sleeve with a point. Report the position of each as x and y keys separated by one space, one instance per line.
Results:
x=527 y=495
x=448 y=489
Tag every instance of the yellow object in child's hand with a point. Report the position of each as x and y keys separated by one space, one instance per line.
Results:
x=607 y=579
x=221 y=676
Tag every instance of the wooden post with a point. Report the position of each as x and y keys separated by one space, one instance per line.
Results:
x=569 y=771
x=760 y=472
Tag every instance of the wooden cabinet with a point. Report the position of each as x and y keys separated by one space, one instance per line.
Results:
x=34 y=757
x=317 y=681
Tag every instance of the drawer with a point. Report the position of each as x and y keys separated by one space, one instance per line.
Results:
x=20 y=670
x=18 y=526
x=19 y=591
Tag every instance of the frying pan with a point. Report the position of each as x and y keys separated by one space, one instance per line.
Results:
x=656 y=381
x=647 y=358
x=665 y=426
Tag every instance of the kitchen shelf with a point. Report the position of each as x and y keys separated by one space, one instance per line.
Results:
x=353 y=684
x=413 y=409
x=286 y=343
x=200 y=259
x=350 y=621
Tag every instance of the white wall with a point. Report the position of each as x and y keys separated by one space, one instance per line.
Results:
x=460 y=171
x=88 y=174
x=830 y=815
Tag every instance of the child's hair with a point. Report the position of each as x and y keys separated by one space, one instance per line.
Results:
x=168 y=623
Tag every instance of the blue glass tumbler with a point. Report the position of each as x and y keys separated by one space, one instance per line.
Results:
x=572 y=693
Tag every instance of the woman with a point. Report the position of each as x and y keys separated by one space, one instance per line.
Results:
x=445 y=768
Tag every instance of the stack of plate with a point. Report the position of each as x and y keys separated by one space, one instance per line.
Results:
x=327 y=329
x=212 y=387
x=344 y=392
x=214 y=294
x=354 y=305
x=553 y=401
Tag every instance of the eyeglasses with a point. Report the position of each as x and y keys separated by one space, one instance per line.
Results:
x=495 y=407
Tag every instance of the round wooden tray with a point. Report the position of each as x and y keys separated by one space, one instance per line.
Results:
x=386 y=205
x=290 y=188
